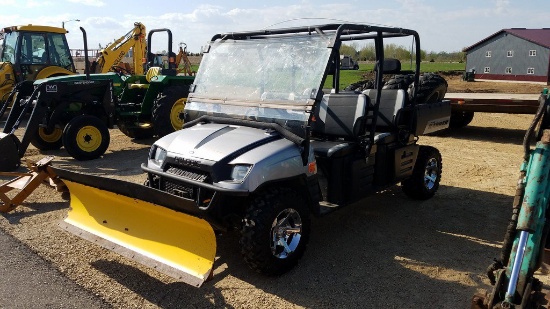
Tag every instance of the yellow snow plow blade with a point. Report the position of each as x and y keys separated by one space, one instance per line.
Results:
x=128 y=218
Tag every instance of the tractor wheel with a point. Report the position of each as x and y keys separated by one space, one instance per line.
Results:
x=86 y=137
x=167 y=115
x=44 y=139
x=432 y=88
x=424 y=181
x=136 y=133
x=275 y=231
x=460 y=119
x=402 y=81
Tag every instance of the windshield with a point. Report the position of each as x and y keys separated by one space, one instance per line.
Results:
x=286 y=70
x=8 y=47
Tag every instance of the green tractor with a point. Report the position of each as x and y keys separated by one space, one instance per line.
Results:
x=76 y=111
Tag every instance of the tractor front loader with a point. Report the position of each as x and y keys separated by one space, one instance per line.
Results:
x=75 y=114
x=513 y=274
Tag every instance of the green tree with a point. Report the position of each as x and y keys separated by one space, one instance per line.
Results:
x=350 y=50
x=367 y=53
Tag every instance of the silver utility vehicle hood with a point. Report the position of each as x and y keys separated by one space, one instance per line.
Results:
x=214 y=142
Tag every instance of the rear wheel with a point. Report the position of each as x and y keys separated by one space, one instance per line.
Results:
x=460 y=119
x=86 y=137
x=45 y=139
x=276 y=231
x=167 y=115
x=426 y=175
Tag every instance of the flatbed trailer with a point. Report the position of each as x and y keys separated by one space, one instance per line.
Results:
x=464 y=105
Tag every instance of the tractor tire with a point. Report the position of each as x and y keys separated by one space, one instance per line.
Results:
x=135 y=133
x=44 y=140
x=432 y=88
x=460 y=119
x=424 y=181
x=360 y=86
x=86 y=137
x=402 y=81
x=276 y=216
x=167 y=114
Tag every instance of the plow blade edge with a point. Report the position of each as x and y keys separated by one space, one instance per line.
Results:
x=128 y=218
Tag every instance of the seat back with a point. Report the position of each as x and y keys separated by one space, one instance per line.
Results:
x=340 y=115
x=391 y=101
x=152 y=72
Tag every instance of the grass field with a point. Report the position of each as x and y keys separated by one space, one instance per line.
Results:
x=351 y=76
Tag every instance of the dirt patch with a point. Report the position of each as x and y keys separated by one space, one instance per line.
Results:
x=456 y=84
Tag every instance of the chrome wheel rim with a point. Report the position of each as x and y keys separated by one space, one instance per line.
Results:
x=286 y=232
x=431 y=173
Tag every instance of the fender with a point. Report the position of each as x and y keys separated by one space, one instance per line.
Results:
x=53 y=71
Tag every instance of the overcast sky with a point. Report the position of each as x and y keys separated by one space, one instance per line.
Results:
x=443 y=25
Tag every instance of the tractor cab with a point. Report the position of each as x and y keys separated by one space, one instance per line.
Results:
x=33 y=52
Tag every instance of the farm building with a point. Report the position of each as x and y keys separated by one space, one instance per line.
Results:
x=517 y=54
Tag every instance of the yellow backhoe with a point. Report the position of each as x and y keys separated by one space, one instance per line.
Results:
x=31 y=52
x=110 y=58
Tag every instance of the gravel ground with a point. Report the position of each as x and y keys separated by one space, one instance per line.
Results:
x=386 y=251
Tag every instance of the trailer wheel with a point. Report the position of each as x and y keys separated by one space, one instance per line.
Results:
x=86 y=137
x=167 y=114
x=432 y=88
x=426 y=175
x=460 y=119
x=275 y=231
x=44 y=139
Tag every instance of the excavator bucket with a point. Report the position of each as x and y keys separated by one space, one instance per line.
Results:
x=9 y=159
x=155 y=228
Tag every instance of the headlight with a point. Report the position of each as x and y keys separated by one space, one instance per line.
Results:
x=239 y=172
x=158 y=155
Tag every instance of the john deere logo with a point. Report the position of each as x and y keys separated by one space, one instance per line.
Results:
x=51 y=88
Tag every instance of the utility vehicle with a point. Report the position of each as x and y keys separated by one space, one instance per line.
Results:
x=266 y=143
x=269 y=139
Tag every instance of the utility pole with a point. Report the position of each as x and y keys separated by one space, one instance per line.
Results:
x=63 y=22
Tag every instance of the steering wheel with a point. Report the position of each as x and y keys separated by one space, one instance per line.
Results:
x=25 y=58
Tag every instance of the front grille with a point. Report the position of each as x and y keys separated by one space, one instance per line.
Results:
x=177 y=189
x=192 y=175
x=182 y=189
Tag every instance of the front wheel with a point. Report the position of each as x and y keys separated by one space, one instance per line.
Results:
x=426 y=175
x=86 y=137
x=275 y=231
x=45 y=139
